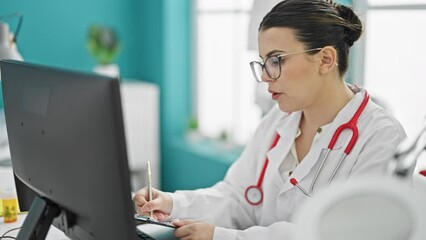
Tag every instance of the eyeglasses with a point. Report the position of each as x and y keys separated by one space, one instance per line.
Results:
x=272 y=65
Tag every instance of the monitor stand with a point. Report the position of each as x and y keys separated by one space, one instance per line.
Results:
x=38 y=221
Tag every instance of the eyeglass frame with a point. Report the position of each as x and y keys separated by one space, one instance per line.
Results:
x=280 y=56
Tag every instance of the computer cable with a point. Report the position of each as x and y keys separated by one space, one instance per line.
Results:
x=8 y=231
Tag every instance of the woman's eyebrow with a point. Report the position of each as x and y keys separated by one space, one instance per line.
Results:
x=273 y=52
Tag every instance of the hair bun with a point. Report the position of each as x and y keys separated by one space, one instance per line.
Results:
x=353 y=29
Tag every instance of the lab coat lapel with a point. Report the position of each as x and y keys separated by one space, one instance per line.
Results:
x=306 y=166
x=287 y=129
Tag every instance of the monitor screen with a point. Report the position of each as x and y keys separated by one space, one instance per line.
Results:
x=67 y=145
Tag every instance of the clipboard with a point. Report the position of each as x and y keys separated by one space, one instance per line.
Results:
x=145 y=219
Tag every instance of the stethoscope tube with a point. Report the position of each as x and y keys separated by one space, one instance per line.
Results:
x=351 y=125
x=254 y=193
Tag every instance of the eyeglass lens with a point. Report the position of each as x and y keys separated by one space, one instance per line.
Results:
x=272 y=67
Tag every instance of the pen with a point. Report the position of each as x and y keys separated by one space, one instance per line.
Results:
x=149 y=185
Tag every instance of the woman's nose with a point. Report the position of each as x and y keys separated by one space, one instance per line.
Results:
x=265 y=77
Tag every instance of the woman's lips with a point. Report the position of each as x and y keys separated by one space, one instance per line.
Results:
x=275 y=95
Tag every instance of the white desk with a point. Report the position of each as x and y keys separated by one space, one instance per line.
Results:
x=53 y=234
x=158 y=232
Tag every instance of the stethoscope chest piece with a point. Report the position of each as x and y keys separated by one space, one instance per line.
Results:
x=254 y=195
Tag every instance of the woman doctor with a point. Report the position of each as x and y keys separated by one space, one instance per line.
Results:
x=304 y=47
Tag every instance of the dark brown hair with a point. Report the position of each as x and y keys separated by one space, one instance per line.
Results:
x=318 y=23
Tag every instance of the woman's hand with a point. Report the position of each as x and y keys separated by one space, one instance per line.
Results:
x=191 y=230
x=161 y=204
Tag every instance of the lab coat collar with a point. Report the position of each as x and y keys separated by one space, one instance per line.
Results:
x=311 y=158
x=287 y=129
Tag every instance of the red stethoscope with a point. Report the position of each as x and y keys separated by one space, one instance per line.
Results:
x=254 y=193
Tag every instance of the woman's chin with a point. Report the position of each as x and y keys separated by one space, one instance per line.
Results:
x=285 y=108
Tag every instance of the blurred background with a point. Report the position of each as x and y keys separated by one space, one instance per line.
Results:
x=191 y=102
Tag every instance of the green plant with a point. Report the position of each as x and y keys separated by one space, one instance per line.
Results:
x=192 y=123
x=223 y=136
x=103 y=44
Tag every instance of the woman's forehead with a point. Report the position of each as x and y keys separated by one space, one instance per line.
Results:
x=278 y=39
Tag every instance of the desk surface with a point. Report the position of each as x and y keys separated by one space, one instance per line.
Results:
x=53 y=234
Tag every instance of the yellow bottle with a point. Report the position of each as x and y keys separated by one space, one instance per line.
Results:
x=1 y=206
x=10 y=206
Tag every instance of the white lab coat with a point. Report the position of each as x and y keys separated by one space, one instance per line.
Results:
x=224 y=204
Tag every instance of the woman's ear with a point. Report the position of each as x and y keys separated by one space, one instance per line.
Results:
x=328 y=59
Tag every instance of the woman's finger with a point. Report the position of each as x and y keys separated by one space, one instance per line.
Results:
x=160 y=216
x=182 y=222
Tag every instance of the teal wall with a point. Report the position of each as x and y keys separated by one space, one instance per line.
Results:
x=54 y=32
x=345 y=2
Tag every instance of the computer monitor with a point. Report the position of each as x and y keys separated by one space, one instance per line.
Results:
x=67 y=144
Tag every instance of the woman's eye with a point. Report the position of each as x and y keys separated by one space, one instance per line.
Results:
x=275 y=61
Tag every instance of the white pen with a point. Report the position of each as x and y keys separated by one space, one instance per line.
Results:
x=149 y=185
